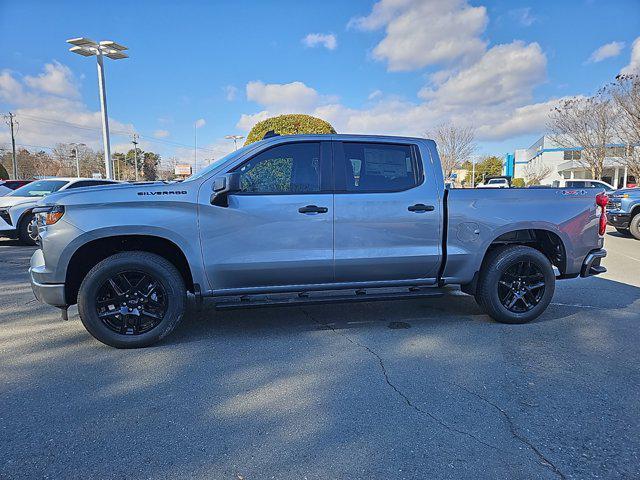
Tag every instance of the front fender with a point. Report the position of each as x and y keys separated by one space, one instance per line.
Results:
x=190 y=247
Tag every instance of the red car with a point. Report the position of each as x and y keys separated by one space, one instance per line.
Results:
x=7 y=186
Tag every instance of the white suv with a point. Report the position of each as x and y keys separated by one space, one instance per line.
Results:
x=16 y=219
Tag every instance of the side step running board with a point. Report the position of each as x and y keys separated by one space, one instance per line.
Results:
x=312 y=298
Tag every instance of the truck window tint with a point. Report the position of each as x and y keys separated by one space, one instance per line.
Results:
x=375 y=167
x=290 y=168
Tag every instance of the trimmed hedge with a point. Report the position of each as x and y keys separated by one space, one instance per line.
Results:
x=517 y=182
x=290 y=124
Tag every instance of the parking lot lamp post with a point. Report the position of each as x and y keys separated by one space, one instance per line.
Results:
x=235 y=139
x=107 y=48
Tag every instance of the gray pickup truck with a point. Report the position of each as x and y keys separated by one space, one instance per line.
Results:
x=624 y=211
x=308 y=218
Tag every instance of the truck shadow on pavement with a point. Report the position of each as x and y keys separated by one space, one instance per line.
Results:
x=452 y=308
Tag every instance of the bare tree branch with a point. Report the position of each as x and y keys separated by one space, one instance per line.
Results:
x=588 y=123
x=455 y=145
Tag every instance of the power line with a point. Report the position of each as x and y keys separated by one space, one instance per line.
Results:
x=113 y=132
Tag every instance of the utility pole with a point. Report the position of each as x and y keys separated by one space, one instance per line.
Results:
x=135 y=152
x=75 y=149
x=12 y=123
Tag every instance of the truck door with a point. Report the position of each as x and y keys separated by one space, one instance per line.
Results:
x=278 y=230
x=388 y=213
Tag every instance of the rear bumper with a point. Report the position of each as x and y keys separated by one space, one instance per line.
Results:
x=591 y=265
x=49 y=293
x=618 y=220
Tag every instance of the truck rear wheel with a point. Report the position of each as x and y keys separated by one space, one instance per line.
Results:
x=132 y=299
x=634 y=226
x=516 y=284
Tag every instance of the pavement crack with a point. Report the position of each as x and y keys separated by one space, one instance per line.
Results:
x=397 y=390
x=514 y=431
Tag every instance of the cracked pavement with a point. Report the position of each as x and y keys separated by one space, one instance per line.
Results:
x=330 y=392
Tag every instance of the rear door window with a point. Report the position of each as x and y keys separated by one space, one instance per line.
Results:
x=377 y=167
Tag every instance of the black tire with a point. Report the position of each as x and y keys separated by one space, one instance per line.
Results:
x=634 y=226
x=26 y=232
x=117 y=327
x=515 y=274
x=623 y=231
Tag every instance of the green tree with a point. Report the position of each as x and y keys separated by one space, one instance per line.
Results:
x=4 y=175
x=290 y=124
x=150 y=164
x=490 y=166
x=518 y=182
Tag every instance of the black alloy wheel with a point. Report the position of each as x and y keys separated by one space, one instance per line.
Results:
x=521 y=287
x=131 y=302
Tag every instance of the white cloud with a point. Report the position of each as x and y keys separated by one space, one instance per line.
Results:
x=504 y=75
x=420 y=33
x=523 y=16
x=327 y=40
x=200 y=123
x=56 y=79
x=608 y=50
x=161 y=133
x=634 y=62
x=493 y=94
x=280 y=97
x=53 y=113
x=231 y=92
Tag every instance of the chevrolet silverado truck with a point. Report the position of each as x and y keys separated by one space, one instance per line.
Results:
x=624 y=211
x=308 y=219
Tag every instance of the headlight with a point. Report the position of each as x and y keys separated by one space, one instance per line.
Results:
x=49 y=214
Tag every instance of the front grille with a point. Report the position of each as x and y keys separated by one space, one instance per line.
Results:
x=613 y=205
x=4 y=214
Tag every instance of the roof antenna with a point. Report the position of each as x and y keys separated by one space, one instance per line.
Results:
x=270 y=134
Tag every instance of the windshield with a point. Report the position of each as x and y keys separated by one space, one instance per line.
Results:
x=38 y=189
x=216 y=163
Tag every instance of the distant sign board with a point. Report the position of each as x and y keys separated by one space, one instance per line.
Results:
x=183 y=170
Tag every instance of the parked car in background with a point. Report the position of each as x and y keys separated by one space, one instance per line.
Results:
x=589 y=184
x=16 y=218
x=624 y=211
x=8 y=186
x=313 y=218
x=500 y=182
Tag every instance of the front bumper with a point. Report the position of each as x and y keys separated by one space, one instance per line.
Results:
x=49 y=293
x=591 y=265
x=618 y=220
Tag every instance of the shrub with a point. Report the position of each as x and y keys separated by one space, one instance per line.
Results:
x=290 y=124
x=517 y=182
x=4 y=175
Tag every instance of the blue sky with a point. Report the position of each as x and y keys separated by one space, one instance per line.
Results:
x=397 y=67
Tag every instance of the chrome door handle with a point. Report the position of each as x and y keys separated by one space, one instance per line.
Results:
x=421 y=207
x=313 y=209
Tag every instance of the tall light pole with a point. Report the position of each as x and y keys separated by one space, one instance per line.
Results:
x=235 y=139
x=107 y=48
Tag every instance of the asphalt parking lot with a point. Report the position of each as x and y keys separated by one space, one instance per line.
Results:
x=330 y=392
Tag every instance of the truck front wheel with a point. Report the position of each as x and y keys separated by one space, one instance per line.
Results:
x=516 y=284
x=132 y=299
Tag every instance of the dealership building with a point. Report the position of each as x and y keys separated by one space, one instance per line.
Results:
x=564 y=164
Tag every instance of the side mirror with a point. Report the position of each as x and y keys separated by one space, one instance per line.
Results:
x=223 y=186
